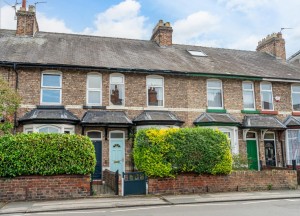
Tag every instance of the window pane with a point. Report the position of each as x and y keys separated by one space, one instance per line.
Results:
x=94 y=81
x=117 y=94
x=266 y=86
x=51 y=96
x=52 y=80
x=296 y=101
x=94 y=97
x=154 y=82
x=48 y=130
x=94 y=135
x=293 y=146
x=248 y=100
x=248 y=86
x=267 y=101
x=116 y=79
x=214 y=84
x=269 y=136
x=116 y=135
x=251 y=135
x=214 y=98
x=155 y=96
x=296 y=88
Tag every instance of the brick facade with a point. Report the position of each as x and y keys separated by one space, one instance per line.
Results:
x=236 y=181
x=44 y=187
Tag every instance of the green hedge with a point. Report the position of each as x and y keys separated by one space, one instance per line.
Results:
x=167 y=152
x=46 y=154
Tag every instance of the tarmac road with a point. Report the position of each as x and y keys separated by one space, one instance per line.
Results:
x=280 y=207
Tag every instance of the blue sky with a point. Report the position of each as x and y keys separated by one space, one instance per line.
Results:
x=236 y=24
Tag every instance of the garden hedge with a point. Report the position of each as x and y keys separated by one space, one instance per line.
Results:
x=167 y=152
x=45 y=154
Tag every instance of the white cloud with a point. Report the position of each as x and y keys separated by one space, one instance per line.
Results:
x=122 y=20
x=244 y=5
x=246 y=43
x=7 y=18
x=194 y=26
x=45 y=23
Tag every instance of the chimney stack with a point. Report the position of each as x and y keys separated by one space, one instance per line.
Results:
x=26 y=21
x=162 y=34
x=274 y=45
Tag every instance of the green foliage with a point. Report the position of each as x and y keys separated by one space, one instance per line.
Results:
x=46 y=154
x=166 y=152
x=9 y=103
x=240 y=162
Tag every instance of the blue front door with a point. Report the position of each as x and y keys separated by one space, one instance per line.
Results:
x=116 y=150
x=98 y=151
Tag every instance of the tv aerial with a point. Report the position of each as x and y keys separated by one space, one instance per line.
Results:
x=14 y=6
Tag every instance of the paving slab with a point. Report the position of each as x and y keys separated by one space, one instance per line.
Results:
x=232 y=196
x=63 y=205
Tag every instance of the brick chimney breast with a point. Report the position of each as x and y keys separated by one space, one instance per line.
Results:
x=26 y=21
x=274 y=45
x=162 y=34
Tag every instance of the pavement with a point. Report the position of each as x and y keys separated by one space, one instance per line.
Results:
x=137 y=201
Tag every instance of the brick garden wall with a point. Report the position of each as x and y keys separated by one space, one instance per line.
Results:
x=44 y=187
x=236 y=181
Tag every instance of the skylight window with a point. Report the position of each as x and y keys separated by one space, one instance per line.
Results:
x=197 y=53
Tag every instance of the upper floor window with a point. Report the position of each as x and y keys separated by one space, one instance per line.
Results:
x=214 y=94
x=51 y=88
x=94 y=89
x=117 y=89
x=296 y=97
x=248 y=96
x=155 y=89
x=266 y=96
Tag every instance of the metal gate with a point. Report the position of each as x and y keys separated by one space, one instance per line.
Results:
x=134 y=183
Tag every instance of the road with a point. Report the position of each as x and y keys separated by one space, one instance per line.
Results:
x=288 y=207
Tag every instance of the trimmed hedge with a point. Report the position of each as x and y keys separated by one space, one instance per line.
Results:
x=46 y=154
x=167 y=152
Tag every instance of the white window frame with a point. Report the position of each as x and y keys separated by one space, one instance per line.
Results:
x=288 y=158
x=89 y=75
x=34 y=128
x=163 y=89
x=49 y=72
x=261 y=95
x=275 y=147
x=253 y=94
x=111 y=83
x=221 y=88
x=294 y=92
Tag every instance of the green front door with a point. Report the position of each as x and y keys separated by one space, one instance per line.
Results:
x=252 y=154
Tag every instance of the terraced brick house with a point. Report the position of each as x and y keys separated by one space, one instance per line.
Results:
x=107 y=88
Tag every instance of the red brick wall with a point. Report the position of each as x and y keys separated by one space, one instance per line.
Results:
x=44 y=187
x=110 y=180
x=237 y=181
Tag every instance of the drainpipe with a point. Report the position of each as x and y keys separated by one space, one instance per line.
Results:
x=16 y=87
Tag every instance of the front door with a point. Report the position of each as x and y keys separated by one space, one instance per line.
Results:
x=270 y=152
x=252 y=154
x=116 y=149
x=98 y=151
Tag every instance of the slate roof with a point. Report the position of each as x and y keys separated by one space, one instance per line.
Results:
x=157 y=118
x=49 y=115
x=105 y=118
x=91 y=51
x=262 y=122
x=292 y=121
x=216 y=118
